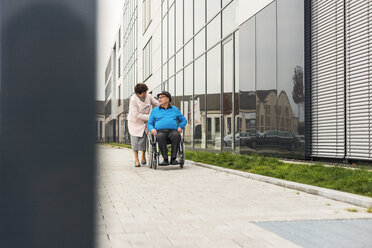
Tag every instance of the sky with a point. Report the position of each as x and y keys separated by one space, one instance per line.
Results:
x=109 y=14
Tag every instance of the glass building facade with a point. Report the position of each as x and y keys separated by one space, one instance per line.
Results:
x=288 y=78
x=130 y=64
x=239 y=85
x=272 y=80
x=200 y=68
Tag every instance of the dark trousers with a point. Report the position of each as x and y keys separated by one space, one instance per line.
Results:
x=165 y=135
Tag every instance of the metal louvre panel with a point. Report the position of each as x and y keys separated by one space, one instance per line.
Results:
x=358 y=79
x=327 y=101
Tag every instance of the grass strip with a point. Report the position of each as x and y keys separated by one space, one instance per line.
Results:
x=356 y=181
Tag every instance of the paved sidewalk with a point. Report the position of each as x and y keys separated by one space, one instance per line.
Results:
x=199 y=207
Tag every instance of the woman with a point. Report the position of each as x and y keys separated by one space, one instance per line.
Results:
x=139 y=113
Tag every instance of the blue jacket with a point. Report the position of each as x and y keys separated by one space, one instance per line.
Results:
x=161 y=118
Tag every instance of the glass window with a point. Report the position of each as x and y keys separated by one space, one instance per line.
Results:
x=156 y=91
x=146 y=14
x=171 y=88
x=199 y=104
x=119 y=38
x=147 y=63
x=247 y=68
x=236 y=56
x=165 y=39
x=165 y=72
x=188 y=103
x=179 y=24
x=213 y=7
x=229 y=19
x=228 y=80
x=119 y=95
x=119 y=67
x=266 y=84
x=164 y=86
x=171 y=67
x=214 y=31
x=213 y=97
x=188 y=19
x=266 y=48
x=165 y=7
x=188 y=52
x=290 y=52
x=179 y=91
x=200 y=43
x=199 y=15
x=179 y=60
x=171 y=38
x=247 y=35
x=225 y=2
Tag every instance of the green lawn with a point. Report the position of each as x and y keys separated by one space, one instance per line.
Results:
x=356 y=181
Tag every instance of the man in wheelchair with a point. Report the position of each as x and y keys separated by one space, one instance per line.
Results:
x=166 y=123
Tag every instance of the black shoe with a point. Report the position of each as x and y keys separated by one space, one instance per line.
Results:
x=174 y=161
x=165 y=162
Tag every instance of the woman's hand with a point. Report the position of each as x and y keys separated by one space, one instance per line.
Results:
x=179 y=130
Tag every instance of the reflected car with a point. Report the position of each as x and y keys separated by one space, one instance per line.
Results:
x=241 y=139
x=227 y=140
x=278 y=139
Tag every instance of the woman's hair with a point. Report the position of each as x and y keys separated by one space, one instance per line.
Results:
x=140 y=88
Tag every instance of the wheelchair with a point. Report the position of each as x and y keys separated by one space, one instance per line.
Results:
x=153 y=152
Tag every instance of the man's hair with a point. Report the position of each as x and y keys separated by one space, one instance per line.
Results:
x=140 y=88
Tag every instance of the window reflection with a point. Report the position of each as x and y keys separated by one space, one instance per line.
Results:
x=188 y=104
x=179 y=92
x=199 y=14
x=179 y=24
x=229 y=19
x=165 y=38
x=213 y=98
x=271 y=94
x=199 y=104
x=228 y=80
x=291 y=98
x=171 y=30
x=214 y=31
x=188 y=18
x=200 y=43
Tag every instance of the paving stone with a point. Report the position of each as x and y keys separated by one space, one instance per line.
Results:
x=197 y=207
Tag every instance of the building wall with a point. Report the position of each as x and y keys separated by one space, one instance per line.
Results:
x=341 y=85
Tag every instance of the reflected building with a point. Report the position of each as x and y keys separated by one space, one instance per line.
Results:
x=247 y=77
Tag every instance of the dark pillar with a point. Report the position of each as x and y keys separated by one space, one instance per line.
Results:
x=47 y=109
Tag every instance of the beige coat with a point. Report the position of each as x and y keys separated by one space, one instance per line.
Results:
x=139 y=113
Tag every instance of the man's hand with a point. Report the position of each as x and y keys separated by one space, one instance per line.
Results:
x=154 y=132
x=179 y=130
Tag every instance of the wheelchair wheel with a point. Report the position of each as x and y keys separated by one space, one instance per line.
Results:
x=156 y=157
x=181 y=154
x=149 y=153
